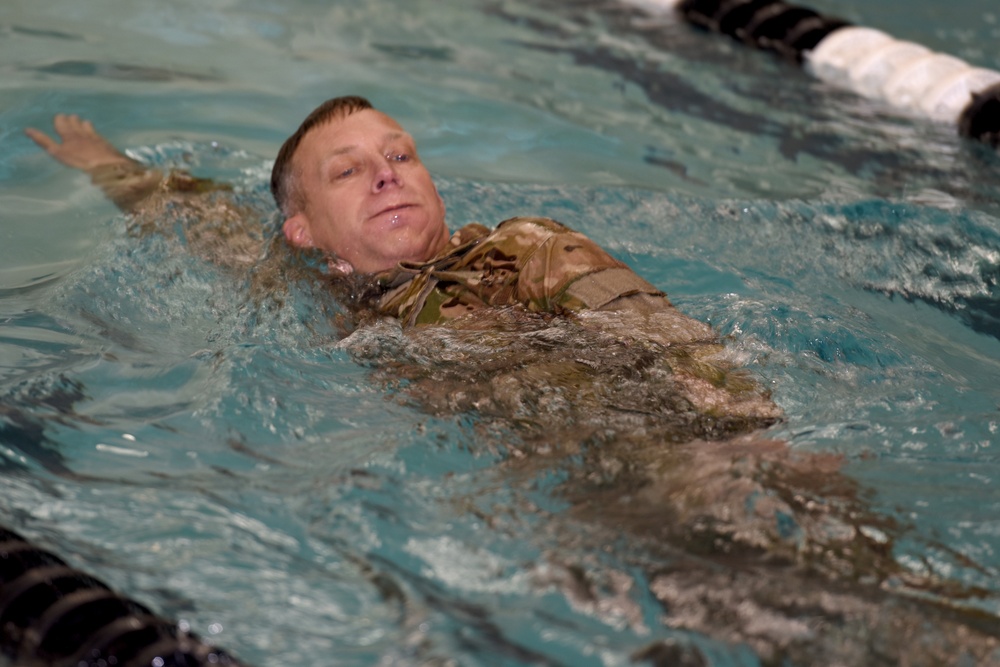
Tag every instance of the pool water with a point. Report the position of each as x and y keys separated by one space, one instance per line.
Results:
x=235 y=464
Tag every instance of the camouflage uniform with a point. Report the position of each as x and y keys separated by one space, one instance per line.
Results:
x=531 y=261
x=535 y=262
x=214 y=223
x=128 y=183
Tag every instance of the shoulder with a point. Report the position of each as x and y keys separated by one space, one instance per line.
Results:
x=518 y=237
x=530 y=231
x=531 y=224
x=469 y=232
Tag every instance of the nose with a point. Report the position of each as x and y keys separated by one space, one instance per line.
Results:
x=386 y=177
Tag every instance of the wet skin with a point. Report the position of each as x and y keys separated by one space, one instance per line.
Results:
x=81 y=146
x=368 y=199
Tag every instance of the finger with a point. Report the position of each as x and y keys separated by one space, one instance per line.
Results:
x=45 y=141
x=78 y=128
x=66 y=124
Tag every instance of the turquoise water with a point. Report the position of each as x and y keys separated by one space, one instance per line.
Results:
x=235 y=466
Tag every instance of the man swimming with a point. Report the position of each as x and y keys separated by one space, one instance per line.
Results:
x=349 y=183
x=573 y=357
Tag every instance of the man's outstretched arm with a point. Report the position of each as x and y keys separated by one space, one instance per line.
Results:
x=125 y=181
x=82 y=147
x=216 y=228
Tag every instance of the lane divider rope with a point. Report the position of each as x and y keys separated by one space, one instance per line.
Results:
x=52 y=615
x=869 y=62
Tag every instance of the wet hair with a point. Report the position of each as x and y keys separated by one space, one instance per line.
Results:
x=284 y=185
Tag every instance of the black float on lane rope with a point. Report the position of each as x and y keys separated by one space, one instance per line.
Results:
x=869 y=62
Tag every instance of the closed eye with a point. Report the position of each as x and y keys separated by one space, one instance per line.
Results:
x=344 y=170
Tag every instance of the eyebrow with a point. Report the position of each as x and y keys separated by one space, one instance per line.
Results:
x=386 y=138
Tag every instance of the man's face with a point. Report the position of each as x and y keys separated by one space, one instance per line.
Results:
x=368 y=198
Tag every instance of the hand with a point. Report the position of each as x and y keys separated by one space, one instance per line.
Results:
x=82 y=147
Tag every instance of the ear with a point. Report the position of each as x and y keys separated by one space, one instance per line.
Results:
x=296 y=231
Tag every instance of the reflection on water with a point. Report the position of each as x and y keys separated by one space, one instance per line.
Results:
x=121 y=71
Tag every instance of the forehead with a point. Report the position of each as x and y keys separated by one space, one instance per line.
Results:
x=355 y=131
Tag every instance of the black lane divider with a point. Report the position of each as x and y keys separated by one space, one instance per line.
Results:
x=52 y=615
x=869 y=62
x=766 y=24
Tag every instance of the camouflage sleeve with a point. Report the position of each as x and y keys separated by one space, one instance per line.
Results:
x=214 y=225
x=126 y=183
x=129 y=184
x=568 y=271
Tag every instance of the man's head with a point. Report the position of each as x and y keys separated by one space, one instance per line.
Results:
x=349 y=182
